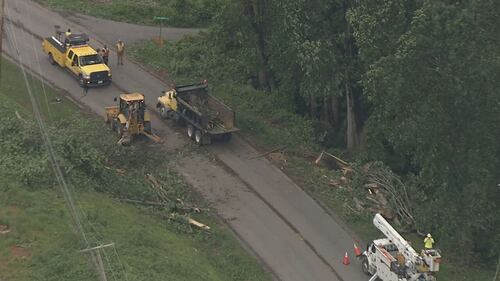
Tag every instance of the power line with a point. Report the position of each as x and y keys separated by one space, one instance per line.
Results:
x=2 y=5
x=34 y=45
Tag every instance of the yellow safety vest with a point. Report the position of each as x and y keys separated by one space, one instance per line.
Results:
x=120 y=47
x=428 y=241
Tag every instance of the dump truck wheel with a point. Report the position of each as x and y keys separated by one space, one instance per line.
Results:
x=190 y=131
x=198 y=137
x=164 y=112
x=51 y=59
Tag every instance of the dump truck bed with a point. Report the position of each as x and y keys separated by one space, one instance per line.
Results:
x=214 y=116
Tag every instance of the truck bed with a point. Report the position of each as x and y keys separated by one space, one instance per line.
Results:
x=56 y=43
x=213 y=115
x=53 y=46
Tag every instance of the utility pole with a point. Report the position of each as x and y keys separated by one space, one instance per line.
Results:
x=95 y=252
x=2 y=5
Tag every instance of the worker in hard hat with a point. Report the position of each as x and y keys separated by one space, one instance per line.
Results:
x=428 y=242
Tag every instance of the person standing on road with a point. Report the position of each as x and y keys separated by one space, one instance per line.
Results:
x=105 y=54
x=120 y=50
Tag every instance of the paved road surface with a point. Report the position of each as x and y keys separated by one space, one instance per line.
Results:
x=277 y=221
x=127 y=32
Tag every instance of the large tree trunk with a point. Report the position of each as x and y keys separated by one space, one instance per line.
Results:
x=256 y=10
x=352 y=128
x=335 y=120
x=325 y=116
x=312 y=106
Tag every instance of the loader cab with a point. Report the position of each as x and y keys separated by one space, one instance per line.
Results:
x=132 y=103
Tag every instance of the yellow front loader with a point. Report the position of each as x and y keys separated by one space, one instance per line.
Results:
x=130 y=118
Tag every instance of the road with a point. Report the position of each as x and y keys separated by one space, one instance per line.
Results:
x=275 y=219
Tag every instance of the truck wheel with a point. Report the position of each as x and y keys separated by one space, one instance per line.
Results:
x=51 y=59
x=164 y=112
x=198 y=137
x=365 y=266
x=190 y=131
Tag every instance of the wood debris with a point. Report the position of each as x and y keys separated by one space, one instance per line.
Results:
x=333 y=162
x=198 y=224
x=20 y=117
x=188 y=220
x=268 y=152
x=4 y=229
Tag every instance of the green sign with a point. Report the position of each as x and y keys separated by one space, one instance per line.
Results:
x=159 y=18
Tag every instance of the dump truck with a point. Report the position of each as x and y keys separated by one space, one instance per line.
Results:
x=79 y=58
x=393 y=258
x=130 y=118
x=206 y=118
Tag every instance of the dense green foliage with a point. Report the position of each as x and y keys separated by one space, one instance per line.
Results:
x=411 y=83
x=179 y=13
x=98 y=172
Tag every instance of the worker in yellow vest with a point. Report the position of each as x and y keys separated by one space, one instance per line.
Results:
x=120 y=50
x=66 y=35
x=428 y=242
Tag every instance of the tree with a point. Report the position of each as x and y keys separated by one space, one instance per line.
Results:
x=433 y=79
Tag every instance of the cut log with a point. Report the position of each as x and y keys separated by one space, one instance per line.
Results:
x=332 y=162
x=198 y=224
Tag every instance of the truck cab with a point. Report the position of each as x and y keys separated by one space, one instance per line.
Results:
x=79 y=58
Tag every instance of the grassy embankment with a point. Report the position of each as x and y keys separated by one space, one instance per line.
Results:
x=269 y=126
x=42 y=244
x=179 y=13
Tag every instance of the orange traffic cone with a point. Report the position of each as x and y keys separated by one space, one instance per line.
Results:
x=346 y=260
x=357 y=250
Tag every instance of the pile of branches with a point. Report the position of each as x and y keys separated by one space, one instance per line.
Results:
x=377 y=189
x=388 y=191
x=172 y=209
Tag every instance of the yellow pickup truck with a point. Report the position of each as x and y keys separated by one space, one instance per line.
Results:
x=79 y=58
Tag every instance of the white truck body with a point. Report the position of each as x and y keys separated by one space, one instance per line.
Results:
x=394 y=259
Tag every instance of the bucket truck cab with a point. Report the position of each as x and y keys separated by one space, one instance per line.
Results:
x=393 y=259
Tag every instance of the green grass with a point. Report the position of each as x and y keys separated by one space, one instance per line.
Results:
x=179 y=13
x=149 y=247
x=269 y=126
x=146 y=246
